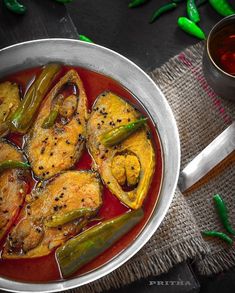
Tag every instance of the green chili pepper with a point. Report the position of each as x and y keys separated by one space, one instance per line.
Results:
x=15 y=6
x=163 y=9
x=192 y=11
x=220 y=235
x=11 y=164
x=80 y=250
x=85 y=39
x=58 y=220
x=191 y=28
x=22 y=119
x=222 y=7
x=118 y=134
x=136 y=3
x=223 y=213
x=49 y=121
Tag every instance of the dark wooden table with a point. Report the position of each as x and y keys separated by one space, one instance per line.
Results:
x=110 y=23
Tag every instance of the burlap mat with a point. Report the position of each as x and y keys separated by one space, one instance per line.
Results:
x=201 y=116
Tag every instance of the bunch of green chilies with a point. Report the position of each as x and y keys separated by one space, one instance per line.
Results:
x=222 y=210
x=188 y=24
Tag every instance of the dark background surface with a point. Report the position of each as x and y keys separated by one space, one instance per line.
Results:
x=110 y=23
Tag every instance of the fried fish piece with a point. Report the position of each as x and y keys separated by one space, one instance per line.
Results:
x=126 y=168
x=12 y=188
x=57 y=138
x=9 y=102
x=56 y=203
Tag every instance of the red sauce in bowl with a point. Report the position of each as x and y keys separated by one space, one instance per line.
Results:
x=45 y=269
x=223 y=49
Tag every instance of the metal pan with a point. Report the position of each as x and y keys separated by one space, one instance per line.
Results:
x=107 y=62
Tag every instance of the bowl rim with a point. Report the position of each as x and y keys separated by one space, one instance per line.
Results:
x=210 y=35
x=155 y=220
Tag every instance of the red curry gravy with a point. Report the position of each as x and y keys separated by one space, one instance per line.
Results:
x=45 y=269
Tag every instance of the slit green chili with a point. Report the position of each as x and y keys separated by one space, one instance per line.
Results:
x=163 y=9
x=11 y=164
x=22 y=118
x=222 y=7
x=136 y=3
x=83 y=248
x=61 y=219
x=192 y=11
x=222 y=210
x=220 y=235
x=191 y=28
x=118 y=134
x=15 y=6
x=49 y=121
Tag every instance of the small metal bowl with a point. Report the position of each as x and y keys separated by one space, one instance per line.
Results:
x=222 y=82
x=109 y=63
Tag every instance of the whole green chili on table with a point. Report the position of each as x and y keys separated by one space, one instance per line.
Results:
x=223 y=213
x=83 y=248
x=163 y=9
x=192 y=11
x=18 y=8
x=136 y=3
x=22 y=118
x=15 y=6
x=222 y=7
x=191 y=28
x=85 y=38
x=220 y=235
x=11 y=164
x=118 y=134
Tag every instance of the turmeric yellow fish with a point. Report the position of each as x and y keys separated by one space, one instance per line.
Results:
x=12 y=188
x=54 y=213
x=127 y=167
x=57 y=138
x=9 y=101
